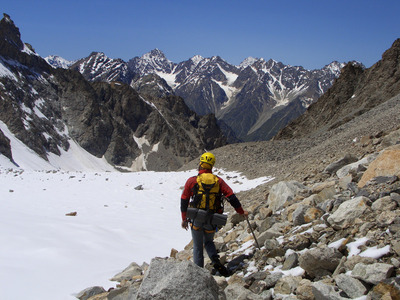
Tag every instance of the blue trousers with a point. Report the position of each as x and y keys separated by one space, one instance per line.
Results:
x=200 y=239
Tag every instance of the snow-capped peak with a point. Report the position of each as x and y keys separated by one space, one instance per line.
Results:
x=247 y=62
x=196 y=59
x=58 y=62
x=155 y=55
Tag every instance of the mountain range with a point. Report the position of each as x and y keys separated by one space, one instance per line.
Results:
x=47 y=110
x=252 y=101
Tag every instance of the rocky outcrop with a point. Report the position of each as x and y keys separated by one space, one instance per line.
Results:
x=350 y=249
x=5 y=147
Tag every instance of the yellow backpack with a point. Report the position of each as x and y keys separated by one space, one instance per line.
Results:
x=206 y=193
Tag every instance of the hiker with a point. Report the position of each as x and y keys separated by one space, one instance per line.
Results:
x=202 y=195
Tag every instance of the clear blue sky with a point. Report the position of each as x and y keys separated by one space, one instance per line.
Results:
x=308 y=33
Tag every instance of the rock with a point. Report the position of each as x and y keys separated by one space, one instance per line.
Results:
x=387 y=217
x=333 y=167
x=304 y=290
x=273 y=244
x=384 y=203
x=345 y=181
x=312 y=214
x=326 y=194
x=391 y=139
x=287 y=285
x=298 y=215
x=348 y=211
x=298 y=243
x=291 y=261
x=318 y=187
x=168 y=278
x=272 y=279
x=123 y=293
x=264 y=212
x=386 y=164
x=353 y=167
x=71 y=214
x=267 y=235
x=351 y=286
x=282 y=192
x=89 y=292
x=351 y=262
x=322 y=291
x=132 y=270
x=318 y=262
x=258 y=286
x=236 y=291
x=373 y=273
x=389 y=287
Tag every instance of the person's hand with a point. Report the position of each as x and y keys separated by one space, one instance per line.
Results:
x=185 y=224
x=245 y=213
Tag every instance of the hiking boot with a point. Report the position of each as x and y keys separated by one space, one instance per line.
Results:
x=221 y=269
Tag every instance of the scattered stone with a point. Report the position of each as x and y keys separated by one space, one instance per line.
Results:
x=373 y=273
x=132 y=270
x=351 y=286
x=318 y=262
x=90 y=292
x=71 y=214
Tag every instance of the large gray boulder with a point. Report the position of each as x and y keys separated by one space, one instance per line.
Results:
x=174 y=279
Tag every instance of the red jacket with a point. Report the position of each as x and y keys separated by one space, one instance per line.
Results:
x=224 y=187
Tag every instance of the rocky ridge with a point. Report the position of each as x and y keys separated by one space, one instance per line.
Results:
x=255 y=99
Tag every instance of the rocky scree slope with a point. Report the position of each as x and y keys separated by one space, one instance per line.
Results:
x=47 y=108
x=333 y=235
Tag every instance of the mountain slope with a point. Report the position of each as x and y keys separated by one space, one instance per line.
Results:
x=355 y=92
x=47 y=109
x=248 y=98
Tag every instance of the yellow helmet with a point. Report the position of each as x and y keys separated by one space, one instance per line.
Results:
x=207 y=158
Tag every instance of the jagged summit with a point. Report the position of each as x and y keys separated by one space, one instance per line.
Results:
x=254 y=102
x=9 y=33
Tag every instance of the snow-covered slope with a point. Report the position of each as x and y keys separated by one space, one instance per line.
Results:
x=120 y=218
x=75 y=159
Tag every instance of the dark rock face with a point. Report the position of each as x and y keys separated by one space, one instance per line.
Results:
x=45 y=108
x=5 y=147
x=355 y=92
x=151 y=85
